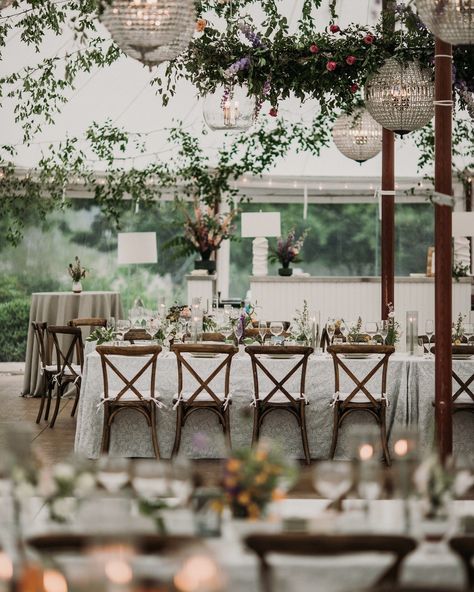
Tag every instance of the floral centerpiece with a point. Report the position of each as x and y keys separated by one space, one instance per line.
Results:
x=288 y=251
x=254 y=477
x=204 y=231
x=77 y=273
x=356 y=335
x=102 y=335
x=301 y=323
x=458 y=329
x=393 y=334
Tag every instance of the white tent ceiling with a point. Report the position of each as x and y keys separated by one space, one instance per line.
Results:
x=122 y=93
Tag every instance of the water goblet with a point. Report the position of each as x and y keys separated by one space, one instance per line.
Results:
x=238 y=331
x=276 y=328
x=150 y=479
x=382 y=327
x=262 y=330
x=111 y=323
x=371 y=330
x=113 y=473
x=226 y=330
x=123 y=325
x=429 y=330
x=331 y=329
x=333 y=479
x=468 y=331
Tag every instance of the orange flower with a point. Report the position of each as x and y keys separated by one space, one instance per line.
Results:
x=201 y=25
x=278 y=495
x=230 y=482
x=261 y=455
x=254 y=511
x=233 y=465
x=261 y=478
x=243 y=498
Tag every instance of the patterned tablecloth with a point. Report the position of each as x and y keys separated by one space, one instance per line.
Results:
x=410 y=393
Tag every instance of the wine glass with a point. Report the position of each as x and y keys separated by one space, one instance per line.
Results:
x=262 y=330
x=113 y=473
x=468 y=331
x=123 y=325
x=226 y=330
x=276 y=328
x=331 y=329
x=308 y=333
x=371 y=330
x=150 y=479
x=344 y=329
x=382 y=327
x=238 y=331
x=111 y=323
x=429 y=330
x=180 y=484
x=181 y=329
x=333 y=479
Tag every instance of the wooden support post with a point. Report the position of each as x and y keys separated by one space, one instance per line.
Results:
x=443 y=249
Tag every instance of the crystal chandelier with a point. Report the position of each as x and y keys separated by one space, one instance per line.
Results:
x=400 y=96
x=450 y=20
x=151 y=31
x=357 y=135
x=229 y=108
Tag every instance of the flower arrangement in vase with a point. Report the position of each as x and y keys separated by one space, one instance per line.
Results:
x=77 y=273
x=393 y=333
x=288 y=251
x=254 y=477
x=204 y=231
x=458 y=330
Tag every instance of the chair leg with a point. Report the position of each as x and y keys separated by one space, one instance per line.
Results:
x=58 y=403
x=76 y=400
x=105 y=444
x=48 y=400
x=304 y=433
x=40 y=410
x=154 y=436
x=335 y=431
x=226 y=427
x=383 y=436
x=179 y=425
x=256 y=425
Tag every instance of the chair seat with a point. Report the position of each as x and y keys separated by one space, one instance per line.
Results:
x=67 y=371
x=281 y=398
x=463 y=399
x=203 y=397
x=359 y=398
x=129 y=396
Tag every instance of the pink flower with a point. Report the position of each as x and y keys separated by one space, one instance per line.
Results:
x=273 y=112
x=331 y=66
x=313 y=48
x=354 y=87
x=369 y=39
x=350 y=60
x=334 y=28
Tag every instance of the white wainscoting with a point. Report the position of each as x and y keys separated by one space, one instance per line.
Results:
x=351 y=297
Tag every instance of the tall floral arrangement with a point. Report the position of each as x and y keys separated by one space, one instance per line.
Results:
x=393 y=334
x=76 y=271
x=288 y=248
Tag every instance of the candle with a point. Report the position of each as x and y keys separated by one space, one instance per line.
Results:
x=412 y=331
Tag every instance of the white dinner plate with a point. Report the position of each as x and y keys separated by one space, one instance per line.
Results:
x=204 y=355
x=357 y=356
x=280 y=356
x=462 y=356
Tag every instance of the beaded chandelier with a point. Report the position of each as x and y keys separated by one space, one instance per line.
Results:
x=400 y=96
x=450 y=20
x=357 y=135
x=229 y=108
x=151 y=31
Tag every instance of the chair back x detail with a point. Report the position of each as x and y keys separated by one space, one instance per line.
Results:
x=202 y=396
x=129 y=397
x=48 y=370
x=360 y=398
x=329 y=545
x=463 y=397
x=279 y=395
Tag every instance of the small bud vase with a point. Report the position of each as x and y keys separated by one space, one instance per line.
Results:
x=76 y=287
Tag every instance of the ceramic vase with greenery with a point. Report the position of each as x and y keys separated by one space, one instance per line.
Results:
x=77 y=273
x=288 y=251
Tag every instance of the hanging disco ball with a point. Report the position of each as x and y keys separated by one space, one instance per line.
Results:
x=229 y=108
x=151 y=31
x=450 y=20
x=400 y=96
x=357 y=135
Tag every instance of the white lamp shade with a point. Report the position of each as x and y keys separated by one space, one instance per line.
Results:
x=463 y=224
x=261 y=224
x=137 y=247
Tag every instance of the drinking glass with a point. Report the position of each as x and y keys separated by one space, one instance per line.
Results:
x=331 y=329
x=333 y=479
x=150 y=479
x=308 y=333
x=262 y=330
x=111 y=323
x=344 y=329
x=238 y=330
x=181 y=329
x=429 y=330
x=383 y=330
x=468 y=330
x=113 y=473
x=123 y=325
x=371 y=330
x=180 y=481
x=226 y=330
x=276 y=328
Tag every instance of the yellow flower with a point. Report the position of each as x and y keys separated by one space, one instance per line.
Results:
x=243 y=498
x=261 y=478
x=230 y=482
x=254 y=511
x=261 y=455
x=233 y=465
x=201 y=25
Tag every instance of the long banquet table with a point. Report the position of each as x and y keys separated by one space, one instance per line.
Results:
x=410 y=393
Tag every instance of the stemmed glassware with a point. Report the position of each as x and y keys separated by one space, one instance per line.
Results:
x=331 y=329
x=344 y=329
x=123 y=325
x=113 y=473
x=276 y=328
x=308 y=332
x=238 y=330
x=429 y=330
x=383 y=330
x=371 y=330
x=226 y=330
x=262 y=330
x=152 y=325
x=333 y=479
x=468 y=331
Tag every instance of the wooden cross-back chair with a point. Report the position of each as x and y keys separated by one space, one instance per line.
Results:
x=203 y=397
x=68 y=347
x=360 y=398
x=129 y=397
x=88 y=322
x=279 y=397
x=463 y=545
x=47 y=368
x=315 y=545
x=463 y=396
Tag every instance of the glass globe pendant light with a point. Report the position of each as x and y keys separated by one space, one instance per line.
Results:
x=229 y=108
x=400 y=96
x=357 y=135
x=450 y=20
x=151 y=31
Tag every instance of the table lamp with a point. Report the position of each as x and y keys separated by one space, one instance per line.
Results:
x=136 y=247
x=260 y=225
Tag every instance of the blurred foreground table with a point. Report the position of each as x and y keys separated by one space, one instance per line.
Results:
x=58 y=308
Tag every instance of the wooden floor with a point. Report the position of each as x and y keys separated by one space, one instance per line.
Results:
x=57 y=444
